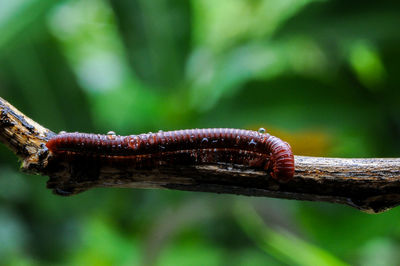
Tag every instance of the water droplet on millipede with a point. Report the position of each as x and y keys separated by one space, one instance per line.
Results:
x=160 y=131
x=62 y=132
x=204 y=140
x=261 y=130
x=111 y=135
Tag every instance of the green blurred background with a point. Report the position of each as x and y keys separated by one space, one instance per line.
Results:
x=323 y=75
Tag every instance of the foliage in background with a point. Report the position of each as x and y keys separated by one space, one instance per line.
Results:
x=322 y=75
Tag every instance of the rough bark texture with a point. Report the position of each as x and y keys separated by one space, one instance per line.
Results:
x=371 y=185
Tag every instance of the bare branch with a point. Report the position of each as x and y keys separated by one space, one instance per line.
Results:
x=370 y=185
x=24 y=137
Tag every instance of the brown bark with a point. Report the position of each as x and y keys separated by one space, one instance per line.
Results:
x=371 y=185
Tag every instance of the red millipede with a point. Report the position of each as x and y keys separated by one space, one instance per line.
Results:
x=253 y=149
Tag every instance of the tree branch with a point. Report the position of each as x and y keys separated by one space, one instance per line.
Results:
x=371 y=185
x=25 y=137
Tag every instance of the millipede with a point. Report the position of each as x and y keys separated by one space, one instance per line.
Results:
x=254 y=149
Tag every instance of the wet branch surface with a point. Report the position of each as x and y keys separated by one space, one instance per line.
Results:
x=371 y=185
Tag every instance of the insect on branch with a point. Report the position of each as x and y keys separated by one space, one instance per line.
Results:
x=371 y=185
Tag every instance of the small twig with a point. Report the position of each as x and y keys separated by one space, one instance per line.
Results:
x=371 y=185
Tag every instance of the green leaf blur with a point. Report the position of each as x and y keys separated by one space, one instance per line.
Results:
x=322 y=75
